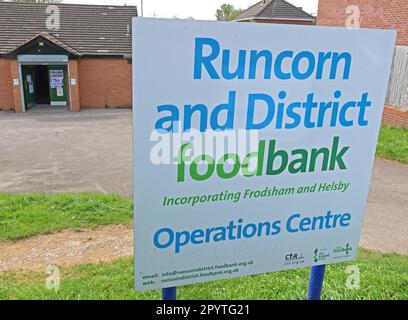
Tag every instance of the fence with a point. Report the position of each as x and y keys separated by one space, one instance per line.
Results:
x=397 y=95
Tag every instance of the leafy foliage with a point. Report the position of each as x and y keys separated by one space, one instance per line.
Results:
x=227 y=12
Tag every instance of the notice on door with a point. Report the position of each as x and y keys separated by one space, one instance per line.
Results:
x=253 y=145
x=60 y=92
x=30 y=84
x=56 y=79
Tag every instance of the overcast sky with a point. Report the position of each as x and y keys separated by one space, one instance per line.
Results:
x=198 y=9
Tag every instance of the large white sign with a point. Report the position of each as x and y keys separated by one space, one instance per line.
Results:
x=253 y=145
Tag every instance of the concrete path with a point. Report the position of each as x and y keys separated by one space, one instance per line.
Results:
x=386 y=221
x=90 y=151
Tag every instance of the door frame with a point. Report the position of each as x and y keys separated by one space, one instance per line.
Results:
x=27 y=60
x=20 y=79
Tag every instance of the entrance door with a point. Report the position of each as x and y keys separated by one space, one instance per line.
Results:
x=30 y=93
x=58 y=85
x=42 y=85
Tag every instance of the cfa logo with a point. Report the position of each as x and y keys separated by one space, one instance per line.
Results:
x=294 y=258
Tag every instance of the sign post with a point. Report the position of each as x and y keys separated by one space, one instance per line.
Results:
x=314 y=289
x=251 y=154
x=169 y=293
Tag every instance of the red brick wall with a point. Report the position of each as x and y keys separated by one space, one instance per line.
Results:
x=74 y=89
x=395 y=117
x=105 y=83
x=6 y=86
x=16 y=89
x=383 y=14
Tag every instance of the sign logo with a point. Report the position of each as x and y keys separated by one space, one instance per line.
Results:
x=320 y=255
x=294 y=258
x=342 y=251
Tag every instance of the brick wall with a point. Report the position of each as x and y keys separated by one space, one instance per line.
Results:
x=6 y=86
x=383 y=14
x=74 y=88
x=395 y=117
x=14 y=73
x=105 y=83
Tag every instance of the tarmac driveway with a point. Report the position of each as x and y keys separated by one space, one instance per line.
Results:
x=57 y=151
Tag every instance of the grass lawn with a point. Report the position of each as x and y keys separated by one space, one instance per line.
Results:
x=22 y=216
x=383 y=276
x=393 y=143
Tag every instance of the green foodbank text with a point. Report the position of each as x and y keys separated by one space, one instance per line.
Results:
x=295 y=161
x=279 y=110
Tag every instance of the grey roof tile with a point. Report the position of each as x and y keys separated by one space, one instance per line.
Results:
x=274 y=9
x=85 y=29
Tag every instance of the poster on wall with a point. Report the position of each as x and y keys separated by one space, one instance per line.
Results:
x=286 y=183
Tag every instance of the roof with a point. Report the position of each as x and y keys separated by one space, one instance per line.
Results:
x=274 y=9
x=41 y=37
x=84 y=29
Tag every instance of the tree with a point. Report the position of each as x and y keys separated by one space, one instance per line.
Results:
x=227 y=12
